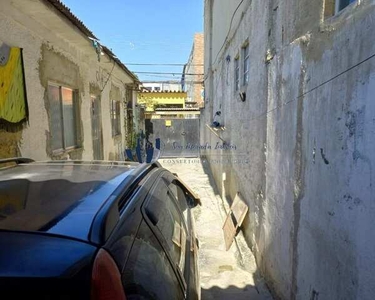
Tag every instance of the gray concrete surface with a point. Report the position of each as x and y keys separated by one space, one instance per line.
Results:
x=224 y=274
x=303 y=139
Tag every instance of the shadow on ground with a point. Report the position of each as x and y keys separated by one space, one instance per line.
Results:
x=248 y=292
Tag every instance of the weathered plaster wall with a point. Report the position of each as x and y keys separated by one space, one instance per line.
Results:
x=15 y=35
x=309 y=139
x=63 y=56
x=56 y=68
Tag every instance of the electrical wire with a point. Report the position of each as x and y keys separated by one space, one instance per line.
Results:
x=313 y=89
x=109 y=76
x=155 y=64
x=172 y=73
x=165 y=76
x=230 y=28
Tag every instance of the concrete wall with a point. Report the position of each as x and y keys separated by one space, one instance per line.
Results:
x=54 y=50
x=304 y=141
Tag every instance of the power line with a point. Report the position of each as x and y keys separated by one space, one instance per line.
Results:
x=226 y=37
x=109 y=76
x=179 y=65
x=230 y=28
x=313 y=89
x=159 y=78
x=171 y=73
x=162 y=76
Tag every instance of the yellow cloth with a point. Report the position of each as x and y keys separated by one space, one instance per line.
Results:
x=13 y=106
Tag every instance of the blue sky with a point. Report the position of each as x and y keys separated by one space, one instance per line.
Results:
x=144 y=31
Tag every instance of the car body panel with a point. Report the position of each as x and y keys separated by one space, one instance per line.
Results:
x=121 y=240
x=77 y=208
x=56 y=198
x=37 y=255
x=162 y=263
x=44 y=265
x=148 y=271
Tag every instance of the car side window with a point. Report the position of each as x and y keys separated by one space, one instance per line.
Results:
x=179 y=195
x=163 y=212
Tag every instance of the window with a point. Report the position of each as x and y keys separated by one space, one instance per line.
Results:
x=157 y=88
x=63 y=114
x=332 y=7
x=179 y=195
x=129 y=98
x=245 y=56
x=169 y=220
x=341 y=4
x=237 y=73
x=115 y=117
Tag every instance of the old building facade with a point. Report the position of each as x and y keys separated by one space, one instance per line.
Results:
x=78 y=91
x=294 y=84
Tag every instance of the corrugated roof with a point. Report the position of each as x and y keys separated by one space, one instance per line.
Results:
x=111 y=54
x=64 y=10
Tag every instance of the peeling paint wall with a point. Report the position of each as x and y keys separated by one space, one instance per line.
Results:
x=54 y=50
x=304 y=138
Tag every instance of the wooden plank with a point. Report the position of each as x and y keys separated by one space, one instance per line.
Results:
x=229 y=231
x=238 y=212
x=239 y=209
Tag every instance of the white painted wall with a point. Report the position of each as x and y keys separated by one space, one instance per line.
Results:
x=308 y=179
x=163 y=86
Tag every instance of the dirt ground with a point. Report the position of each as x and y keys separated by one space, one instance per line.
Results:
x=224 y=274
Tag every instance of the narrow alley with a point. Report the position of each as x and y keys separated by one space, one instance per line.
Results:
x=224 y=274
x=265 y=109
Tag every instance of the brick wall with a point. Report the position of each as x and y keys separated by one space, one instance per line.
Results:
x=198 y=59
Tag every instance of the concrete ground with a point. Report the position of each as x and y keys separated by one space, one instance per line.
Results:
x=224 y=274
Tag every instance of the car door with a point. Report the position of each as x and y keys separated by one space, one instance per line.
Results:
x=166 y=220
x=181 y=194
x=148 y=272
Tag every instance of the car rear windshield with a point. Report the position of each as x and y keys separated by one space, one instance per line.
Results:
x=58 y=198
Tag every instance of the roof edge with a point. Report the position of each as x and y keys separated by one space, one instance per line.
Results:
x=66 y=12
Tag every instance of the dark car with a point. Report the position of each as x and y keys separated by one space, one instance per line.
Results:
x=96 y=230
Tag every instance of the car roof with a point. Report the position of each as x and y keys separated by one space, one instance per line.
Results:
x=59 y=197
